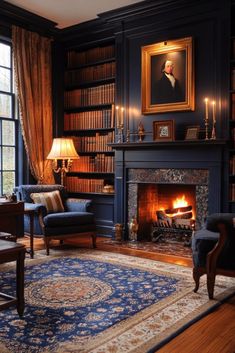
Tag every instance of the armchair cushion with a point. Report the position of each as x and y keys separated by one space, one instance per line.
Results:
x=51 y=200
x=68 y=219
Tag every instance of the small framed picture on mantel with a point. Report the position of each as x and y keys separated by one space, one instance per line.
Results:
x=163 y=130
x=192 y=133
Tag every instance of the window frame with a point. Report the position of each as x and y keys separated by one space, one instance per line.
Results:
x=13 y=118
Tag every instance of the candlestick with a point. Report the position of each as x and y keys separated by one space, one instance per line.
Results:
x=213 y=132
x=206 y=103
x=206 y=117
x=213 y=112
x=122 y=116
x=117 y=116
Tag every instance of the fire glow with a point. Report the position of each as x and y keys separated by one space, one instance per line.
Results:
x=177 y=204
x=180 y=202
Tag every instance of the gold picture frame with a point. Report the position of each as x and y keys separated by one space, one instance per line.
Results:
x=161 y=91
x=192 y=132
x=164 y=130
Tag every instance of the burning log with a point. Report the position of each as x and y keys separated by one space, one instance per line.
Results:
x=178 y=209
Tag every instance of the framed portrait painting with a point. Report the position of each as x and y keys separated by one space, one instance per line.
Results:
x=163 y=130
x=167 y=82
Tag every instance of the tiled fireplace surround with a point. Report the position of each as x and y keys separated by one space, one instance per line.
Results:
x=197 y=163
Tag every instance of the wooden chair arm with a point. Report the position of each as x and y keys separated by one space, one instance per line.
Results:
x=212 y=256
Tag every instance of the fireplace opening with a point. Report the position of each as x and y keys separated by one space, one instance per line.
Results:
x=166 y=212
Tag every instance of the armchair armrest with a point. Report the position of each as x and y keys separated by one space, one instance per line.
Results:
x=37 y=208
x=78 y=205
x=213 y=255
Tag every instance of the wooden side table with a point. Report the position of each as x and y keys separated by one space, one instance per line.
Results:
x=11 y=217
x=10 y=251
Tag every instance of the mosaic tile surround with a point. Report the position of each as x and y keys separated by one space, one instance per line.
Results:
x=197 y=177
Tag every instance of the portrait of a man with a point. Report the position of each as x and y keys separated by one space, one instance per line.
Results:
x=167 y=82
x=168 y=78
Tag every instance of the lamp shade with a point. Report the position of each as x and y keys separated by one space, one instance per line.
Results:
x=62 y=148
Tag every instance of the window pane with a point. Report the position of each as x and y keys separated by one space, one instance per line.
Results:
x=8 y=182
x=8 y=133
x=5 y=106
x=8 y=158
x=5 y=79
x=5 y=57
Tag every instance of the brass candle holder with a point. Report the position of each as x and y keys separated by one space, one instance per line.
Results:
x=141 y=132
x=206 y=127
x=120 y=133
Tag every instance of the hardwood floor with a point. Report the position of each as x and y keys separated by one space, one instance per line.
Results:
x=215 y=333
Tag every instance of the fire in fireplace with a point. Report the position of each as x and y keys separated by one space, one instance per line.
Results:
x=166 y=212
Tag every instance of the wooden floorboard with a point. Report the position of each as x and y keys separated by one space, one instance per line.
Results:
x=215 y=333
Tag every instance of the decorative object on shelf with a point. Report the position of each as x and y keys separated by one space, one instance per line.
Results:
x=108 y=189
x=192 y=132
x=213 y=133
x=167 y=76
x=206 y=117
x=133 y=229
x=163 y=130
x=141 y=132
x=120 y=122
x=62 y=149
x=118 y=228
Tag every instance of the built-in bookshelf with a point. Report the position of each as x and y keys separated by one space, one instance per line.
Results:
x=232 y=116
x=89 y=118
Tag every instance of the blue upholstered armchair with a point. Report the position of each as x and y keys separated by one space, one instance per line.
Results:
x=55 y=215
x=214 y=250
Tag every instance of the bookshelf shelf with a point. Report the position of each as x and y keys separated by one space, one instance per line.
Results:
x=90 y=174
x=91 y=83
x=88 y=107
x=91 y=64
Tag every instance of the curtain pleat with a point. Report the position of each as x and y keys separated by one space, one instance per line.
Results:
x=32 y=64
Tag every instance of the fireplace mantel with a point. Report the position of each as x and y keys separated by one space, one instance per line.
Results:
x=167 y=144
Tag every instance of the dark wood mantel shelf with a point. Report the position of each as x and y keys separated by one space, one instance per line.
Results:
x=166 y=144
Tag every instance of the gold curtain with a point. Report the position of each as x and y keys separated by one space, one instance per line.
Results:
x=32 y=63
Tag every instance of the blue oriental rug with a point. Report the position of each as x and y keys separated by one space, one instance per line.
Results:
x=93 y=301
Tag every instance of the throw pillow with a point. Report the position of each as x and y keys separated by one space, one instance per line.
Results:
x=51 y=200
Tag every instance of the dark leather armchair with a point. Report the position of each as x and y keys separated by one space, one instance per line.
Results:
x=76 y=219
x=214 y=250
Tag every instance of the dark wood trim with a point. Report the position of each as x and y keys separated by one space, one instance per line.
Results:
x=14 y=15
x=171 y=144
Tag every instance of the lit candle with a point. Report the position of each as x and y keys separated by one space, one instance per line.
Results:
x=206 y=106
x=117 y=116
x=122 y=116
x=213 y=112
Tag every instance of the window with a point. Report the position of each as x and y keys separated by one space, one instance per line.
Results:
x=8 y=121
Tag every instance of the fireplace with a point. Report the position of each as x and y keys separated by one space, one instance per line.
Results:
x=153 y=193
x=169 y=207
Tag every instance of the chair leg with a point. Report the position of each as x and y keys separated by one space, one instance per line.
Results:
x=210 y=284
x=47 y=243
x=93 y=235
x=196 y=277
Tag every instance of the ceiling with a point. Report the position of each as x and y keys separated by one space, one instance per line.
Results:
x=70 y=12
